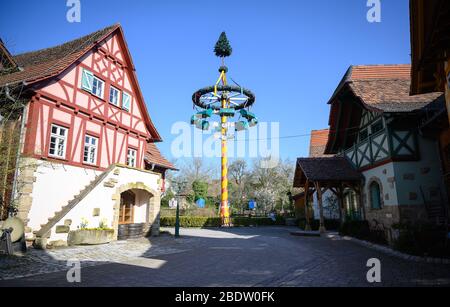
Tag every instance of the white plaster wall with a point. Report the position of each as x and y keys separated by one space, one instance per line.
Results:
x=382 y=172
x=101 y=197
x=55 y=185
x=141 y=206
x=427 y=174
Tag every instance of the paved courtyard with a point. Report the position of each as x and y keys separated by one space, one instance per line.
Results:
x=262 y=256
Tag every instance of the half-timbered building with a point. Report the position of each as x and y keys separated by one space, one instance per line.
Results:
x=375 y=125
x=87 y=149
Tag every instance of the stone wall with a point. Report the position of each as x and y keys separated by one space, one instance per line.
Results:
x=387 y=215
x=24 y=189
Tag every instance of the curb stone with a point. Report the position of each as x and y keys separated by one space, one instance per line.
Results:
x=392 y=252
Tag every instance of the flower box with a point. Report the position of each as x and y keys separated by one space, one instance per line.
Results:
x=90 y=236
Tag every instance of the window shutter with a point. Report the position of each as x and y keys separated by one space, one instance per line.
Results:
x=87 y=80
x=126 y=101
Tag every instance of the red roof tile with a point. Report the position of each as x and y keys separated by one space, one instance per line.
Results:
x=370 y=72
x=318 y=141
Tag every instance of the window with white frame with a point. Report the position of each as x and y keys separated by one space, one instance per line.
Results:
x=90 y=149
x=97 y=87
x=58 y=141
x=114 y=96
x=126 y=101
x=131 y=157
x=92 y=84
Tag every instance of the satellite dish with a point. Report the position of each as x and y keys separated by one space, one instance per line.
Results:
x=18 y=228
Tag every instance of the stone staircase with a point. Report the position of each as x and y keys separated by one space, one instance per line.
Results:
x=43 y=233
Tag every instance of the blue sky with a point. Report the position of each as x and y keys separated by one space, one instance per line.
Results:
x=292 y=54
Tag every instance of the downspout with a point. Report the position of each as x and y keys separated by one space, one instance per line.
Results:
x=19 y=148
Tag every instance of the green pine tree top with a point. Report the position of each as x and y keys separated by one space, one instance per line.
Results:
x=223 y=47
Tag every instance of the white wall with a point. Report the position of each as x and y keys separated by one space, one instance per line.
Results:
x=55 y=185
x=101 y=197
x=383 y=173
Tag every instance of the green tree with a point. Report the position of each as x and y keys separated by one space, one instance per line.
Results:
x=200 y=189
x=166 y=198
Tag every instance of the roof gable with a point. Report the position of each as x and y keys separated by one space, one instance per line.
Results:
x=45 y=64
x=377 y=88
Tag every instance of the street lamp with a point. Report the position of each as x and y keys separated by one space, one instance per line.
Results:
x=179 y=186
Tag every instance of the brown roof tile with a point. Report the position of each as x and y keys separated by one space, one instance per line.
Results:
x=390 y=95
x=324 y=169
x=384 y=88
x=154 y=156
x=37 y=65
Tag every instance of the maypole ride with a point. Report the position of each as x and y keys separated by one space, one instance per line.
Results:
x=226 y=101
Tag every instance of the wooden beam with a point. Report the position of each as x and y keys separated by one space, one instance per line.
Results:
x=319 y=199
x=341 y=203
x=307 y=224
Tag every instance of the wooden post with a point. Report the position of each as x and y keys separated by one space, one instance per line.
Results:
x=307 y=225
x=319 y=199
x=359 y=190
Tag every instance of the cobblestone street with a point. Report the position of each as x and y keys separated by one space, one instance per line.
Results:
x=265 y=256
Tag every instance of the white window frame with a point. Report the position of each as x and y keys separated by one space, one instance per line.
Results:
x=124 y=107
x=57 y=139
x=101 y=88
x=117 y=96
x=131 y=157
x=90 y=148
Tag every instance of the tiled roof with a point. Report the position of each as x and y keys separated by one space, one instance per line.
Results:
x=324 y=169
x=154 y=156
x=384 y=88
x=50 y=62
x=390 y=95
x=41 y=64
x=370 y=72
x=318 y=141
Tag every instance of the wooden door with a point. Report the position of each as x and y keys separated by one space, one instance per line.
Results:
x=126 y=213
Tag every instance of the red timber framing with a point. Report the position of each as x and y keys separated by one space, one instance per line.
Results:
x=61 y=100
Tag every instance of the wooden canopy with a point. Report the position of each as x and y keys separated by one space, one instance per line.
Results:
x=322 y=174
x=328 y=171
